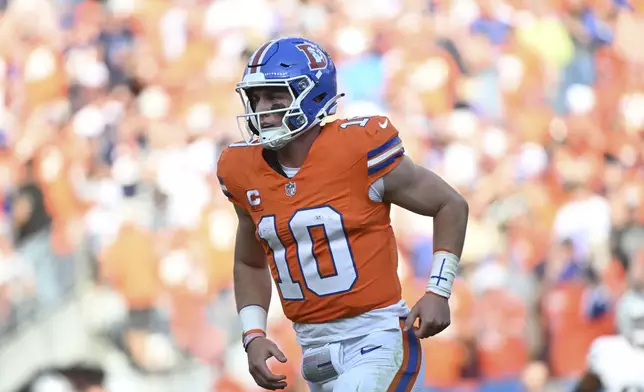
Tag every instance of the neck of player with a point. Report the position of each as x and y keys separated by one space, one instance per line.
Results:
x=294 y=153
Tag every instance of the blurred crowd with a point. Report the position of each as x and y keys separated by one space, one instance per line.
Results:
x=113 y=113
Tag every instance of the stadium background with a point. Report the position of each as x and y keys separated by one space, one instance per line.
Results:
x=116 y=242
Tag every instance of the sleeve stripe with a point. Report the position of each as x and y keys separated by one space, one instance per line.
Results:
x=385 y=155
x=227 y=194
x=224 y=189
x=379 y=150
x=388 y=162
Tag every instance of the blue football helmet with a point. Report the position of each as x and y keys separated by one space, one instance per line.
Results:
x=306 y=71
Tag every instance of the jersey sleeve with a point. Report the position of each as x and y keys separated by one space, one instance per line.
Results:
x=229 y=178
x=381 y=146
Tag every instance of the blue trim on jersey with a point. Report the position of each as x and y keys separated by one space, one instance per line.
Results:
x=226 y=193
x=387 y=145
x=387 y=162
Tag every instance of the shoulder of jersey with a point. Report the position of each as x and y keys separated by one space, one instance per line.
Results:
x=232 y=157
x=365 y=132
x=357 y=124
x=240 y=149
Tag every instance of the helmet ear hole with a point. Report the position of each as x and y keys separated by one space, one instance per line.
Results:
x=319 y=98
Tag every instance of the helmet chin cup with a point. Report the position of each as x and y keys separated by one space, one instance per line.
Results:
x=275 y=138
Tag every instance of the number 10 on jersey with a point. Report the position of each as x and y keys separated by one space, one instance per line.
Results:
x=299 y=225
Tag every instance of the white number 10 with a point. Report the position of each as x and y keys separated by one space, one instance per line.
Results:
x=300 y=224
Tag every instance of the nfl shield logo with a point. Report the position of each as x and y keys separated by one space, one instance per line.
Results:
x=290 y=189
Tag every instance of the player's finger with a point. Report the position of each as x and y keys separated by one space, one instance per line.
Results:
x=277 y=353
x=264 y=376
x=270 y=385
x=423 y=329
x=436 y=327
x=431 y=331
x=273 y=385
x=411 y=318
x=269 y=376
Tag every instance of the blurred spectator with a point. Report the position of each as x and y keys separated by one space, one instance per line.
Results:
x=30 y=216
x=77 y=378
x=636 y=275
x=501 y=337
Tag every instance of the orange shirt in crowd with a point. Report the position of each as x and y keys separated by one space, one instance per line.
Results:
x=227 y=384
x=501 y=328
x=570 y=330
x=130 y=265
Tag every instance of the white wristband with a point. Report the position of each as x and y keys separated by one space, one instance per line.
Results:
x=253 y=317
x=443 y=273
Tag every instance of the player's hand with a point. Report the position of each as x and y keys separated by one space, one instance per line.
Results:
x=434 y=315
x=259 y=350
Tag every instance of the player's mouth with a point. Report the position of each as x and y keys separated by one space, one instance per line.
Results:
x=269 y=125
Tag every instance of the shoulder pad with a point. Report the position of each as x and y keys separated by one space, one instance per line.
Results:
x=228 y=171
x=377 y=140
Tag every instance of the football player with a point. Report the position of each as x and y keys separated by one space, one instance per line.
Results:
x=616 y=363
x=313 y=197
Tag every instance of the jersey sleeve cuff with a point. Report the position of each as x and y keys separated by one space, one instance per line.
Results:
x=381 y=160
x=224 y=188
x=228 y=194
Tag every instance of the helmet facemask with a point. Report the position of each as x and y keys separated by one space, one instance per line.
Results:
x=294 y=121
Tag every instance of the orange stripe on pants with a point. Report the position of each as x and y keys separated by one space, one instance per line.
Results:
x=412 y=358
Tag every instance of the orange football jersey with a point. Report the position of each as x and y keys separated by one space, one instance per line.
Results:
x=331 y=249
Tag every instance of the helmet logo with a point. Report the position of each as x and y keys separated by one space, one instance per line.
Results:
x=317 y=58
